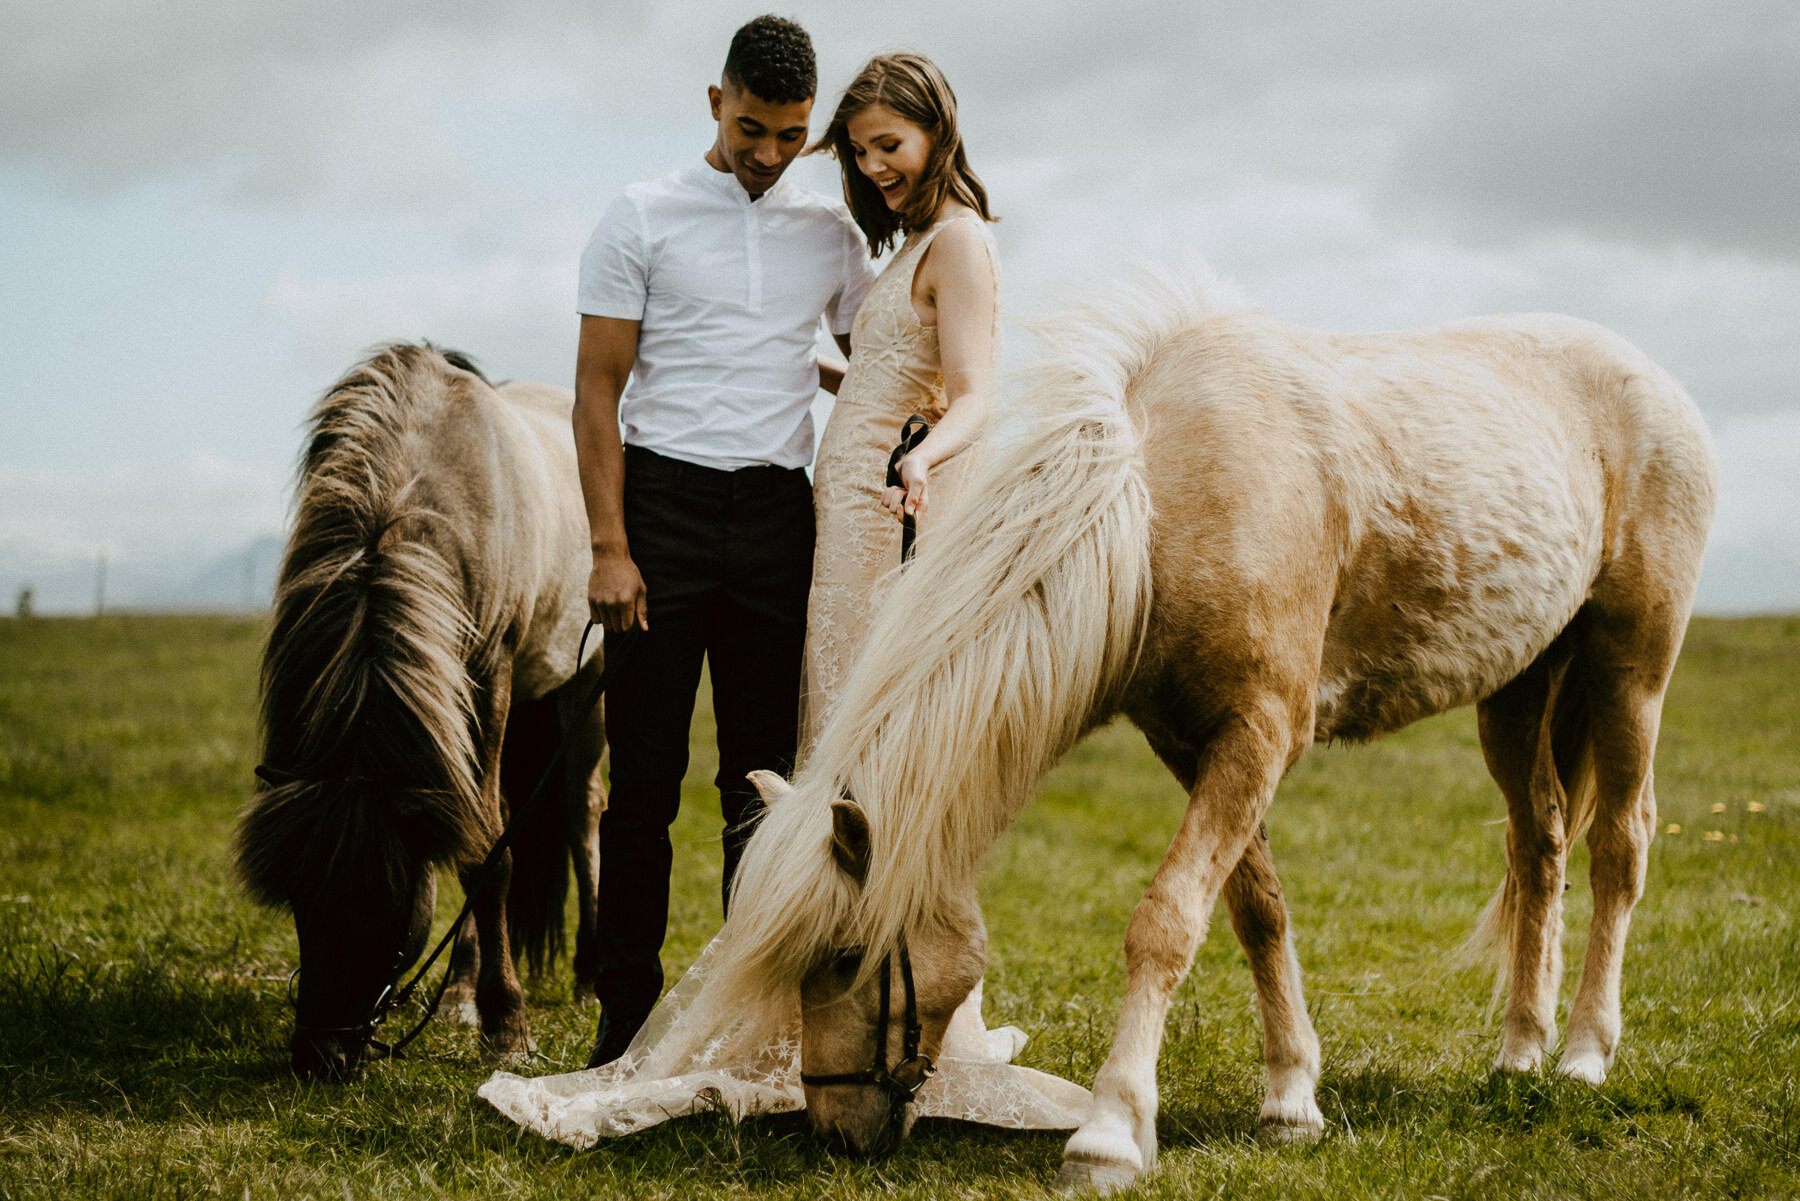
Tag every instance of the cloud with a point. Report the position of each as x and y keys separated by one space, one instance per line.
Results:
x=514 y=315
x=1660 y=120
x=1678 y=126
x=143 y=511
x=1753 y=555
x=1328 y=254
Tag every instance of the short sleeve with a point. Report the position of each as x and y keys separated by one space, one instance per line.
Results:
x=857 y=273
x=615 y=265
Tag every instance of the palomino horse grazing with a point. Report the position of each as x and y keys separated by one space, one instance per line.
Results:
x=1245 y=536
x=429 y=609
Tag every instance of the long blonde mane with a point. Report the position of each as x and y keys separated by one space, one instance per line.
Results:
x=1008 y=637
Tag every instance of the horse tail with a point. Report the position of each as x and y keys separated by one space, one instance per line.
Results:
x=367 y=702
x=1006 y=640
x=1571 y=751
x=536 y=901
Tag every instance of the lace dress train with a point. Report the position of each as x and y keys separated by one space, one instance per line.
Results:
x=750 y=1064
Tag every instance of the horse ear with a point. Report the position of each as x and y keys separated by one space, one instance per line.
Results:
x=770 y=786
x=850 y=839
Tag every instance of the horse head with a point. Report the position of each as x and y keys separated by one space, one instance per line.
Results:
x=873 y=1025
x=351 y=954
x=362 y=889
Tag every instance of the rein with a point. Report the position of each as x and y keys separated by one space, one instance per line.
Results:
x=392 y=995
x=902 y=1081
x=911 y=434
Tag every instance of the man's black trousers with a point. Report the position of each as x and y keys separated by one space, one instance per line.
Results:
x=726 y=558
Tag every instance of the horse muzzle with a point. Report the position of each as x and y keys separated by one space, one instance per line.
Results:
x=327 y=1057
x=868 y=1125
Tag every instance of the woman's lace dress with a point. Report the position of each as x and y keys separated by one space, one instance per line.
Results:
x=747 y=1062
x=894 y=372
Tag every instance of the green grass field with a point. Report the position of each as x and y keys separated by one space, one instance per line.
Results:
x=143 y=1020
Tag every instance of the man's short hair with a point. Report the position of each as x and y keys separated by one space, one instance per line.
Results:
x=772 y=58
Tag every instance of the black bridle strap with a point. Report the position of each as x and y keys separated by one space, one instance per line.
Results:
x=911 y=434
x=391 y=997
x=879 y=1074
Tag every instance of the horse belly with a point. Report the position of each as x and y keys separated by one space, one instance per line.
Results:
x=1426 y=623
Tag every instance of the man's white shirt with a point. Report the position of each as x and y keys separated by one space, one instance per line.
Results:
x=728 y=292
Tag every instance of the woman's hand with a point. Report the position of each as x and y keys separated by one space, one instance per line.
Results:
x=909 y=499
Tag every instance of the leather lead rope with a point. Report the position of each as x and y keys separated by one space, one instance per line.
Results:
x=911 y=434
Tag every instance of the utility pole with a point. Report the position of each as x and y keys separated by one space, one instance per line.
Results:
x=100 y=586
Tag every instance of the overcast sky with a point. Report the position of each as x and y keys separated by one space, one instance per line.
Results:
x=213 y=207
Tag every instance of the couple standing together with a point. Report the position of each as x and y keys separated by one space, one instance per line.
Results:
x=705 y=289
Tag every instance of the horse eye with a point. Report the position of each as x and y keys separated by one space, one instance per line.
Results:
x=849 y=961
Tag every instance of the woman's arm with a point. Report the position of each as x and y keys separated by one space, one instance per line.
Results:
x=958 y=276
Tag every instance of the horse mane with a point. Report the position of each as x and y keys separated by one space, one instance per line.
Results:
x=1008 y=637
x=366 y=700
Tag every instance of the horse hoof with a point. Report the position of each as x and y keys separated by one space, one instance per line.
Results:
x=508 y=1050
x=1284 y=1129
x=1587 y=1067
x=1518 y=1063
x=1093 y=1176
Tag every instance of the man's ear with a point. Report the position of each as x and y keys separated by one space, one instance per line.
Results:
x=850 y=840
x=770 y=786
x=716 y=98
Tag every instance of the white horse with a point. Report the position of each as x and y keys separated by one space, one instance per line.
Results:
x=1245 y=536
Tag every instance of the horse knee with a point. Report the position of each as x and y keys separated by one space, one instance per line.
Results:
x=1161 y=940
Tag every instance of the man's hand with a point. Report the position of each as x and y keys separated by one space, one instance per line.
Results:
x=616 y=594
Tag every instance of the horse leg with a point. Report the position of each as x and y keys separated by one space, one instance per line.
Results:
x=1625 y=661
x=583 y=801
x=1237 y=774
x=499 y=999
x=1290 y=1112
x=1517 y=726
x=465 y=967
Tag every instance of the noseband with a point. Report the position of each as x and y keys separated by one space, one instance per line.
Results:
x=903 y=1081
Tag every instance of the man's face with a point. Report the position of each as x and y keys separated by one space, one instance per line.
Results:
x=757 y=140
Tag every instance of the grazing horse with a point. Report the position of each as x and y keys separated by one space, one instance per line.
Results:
x=428 y=613
x=1244 y=536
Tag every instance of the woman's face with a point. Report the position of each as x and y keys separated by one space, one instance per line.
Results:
x=890 y=150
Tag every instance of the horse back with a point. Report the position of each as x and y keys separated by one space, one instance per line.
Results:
x=1398 y=523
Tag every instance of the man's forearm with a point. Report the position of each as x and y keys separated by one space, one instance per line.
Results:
x=600 y=457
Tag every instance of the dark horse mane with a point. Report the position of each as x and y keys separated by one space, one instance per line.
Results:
x=367 y=706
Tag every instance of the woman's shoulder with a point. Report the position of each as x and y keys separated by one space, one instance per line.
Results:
x=962 y=239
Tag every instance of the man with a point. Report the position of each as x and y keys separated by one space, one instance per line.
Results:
x=705 y=287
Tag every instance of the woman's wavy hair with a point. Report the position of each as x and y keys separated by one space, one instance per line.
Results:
x=911 y=86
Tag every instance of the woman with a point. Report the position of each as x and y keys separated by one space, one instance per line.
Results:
x=925 y=341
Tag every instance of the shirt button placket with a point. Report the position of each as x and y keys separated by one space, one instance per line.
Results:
x=752 y=260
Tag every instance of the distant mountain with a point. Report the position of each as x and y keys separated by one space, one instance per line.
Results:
x=240 y=579
x=182 y=579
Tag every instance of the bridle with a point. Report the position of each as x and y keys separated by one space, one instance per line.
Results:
x=902 y=1081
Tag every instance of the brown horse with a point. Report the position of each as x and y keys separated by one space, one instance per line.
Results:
x=420 y=668
x=1244 y=536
